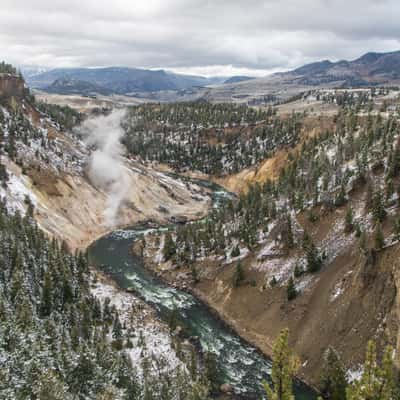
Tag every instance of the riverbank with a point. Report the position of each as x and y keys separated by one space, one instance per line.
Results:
x=241 y=359
x=73 y=210
x=239 y=364
x=181 y=278
x=337 y=306
x=148 y=336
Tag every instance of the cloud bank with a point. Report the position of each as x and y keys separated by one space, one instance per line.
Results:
x=196 y=35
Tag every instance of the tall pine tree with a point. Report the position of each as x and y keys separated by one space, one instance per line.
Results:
x=284 y=367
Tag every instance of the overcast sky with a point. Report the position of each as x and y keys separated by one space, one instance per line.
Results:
x=219 y=37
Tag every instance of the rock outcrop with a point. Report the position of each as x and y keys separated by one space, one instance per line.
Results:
x=11 y=86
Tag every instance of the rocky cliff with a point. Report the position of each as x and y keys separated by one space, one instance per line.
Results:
x=11 y=86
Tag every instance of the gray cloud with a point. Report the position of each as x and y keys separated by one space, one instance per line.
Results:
x=195 y=35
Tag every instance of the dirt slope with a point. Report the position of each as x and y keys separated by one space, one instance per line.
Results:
x=70 y=207
x=351 y=300
x=271 y=167
x=316 y=319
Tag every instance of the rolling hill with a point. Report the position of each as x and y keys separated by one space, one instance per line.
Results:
x=371 y=69
x=118 y=80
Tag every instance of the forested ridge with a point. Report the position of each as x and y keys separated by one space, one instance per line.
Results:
x=338 y=193
x=65 y=116
x=58 y=341
x=216 y=139
x=323 y=172
x=53 y=332
x=6 y=68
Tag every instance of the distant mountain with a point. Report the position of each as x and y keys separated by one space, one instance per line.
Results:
x=29 y=71
x=239 y=78
x=160 y=85
x=371 y=68
x=74 y=86
x=119 y=80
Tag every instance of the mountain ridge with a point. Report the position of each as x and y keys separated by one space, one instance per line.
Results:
x=369 y=65
x=370 y=69
x=121 y=80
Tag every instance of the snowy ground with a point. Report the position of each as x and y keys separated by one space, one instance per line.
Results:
x=151 y=340
x=17 y=193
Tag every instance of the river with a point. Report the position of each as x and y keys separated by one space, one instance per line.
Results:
x=238 y=363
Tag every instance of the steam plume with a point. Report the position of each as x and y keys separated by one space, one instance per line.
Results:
x=106 y=167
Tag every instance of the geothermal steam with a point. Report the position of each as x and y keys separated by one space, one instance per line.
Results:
x=106 y=167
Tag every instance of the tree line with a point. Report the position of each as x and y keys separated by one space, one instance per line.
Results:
x=215 y=139
x=360 y=152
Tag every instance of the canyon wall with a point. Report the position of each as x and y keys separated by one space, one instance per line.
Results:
x=11 y=86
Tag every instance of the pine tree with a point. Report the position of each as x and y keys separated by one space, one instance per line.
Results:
x=273 y=282
x=389 y=189
x=376 y=383
x=30 y=207
x=340 y=197
x=363 y=243
x=314 y=260
x=284 y=367
x=378 y=208
x=306 y=241
x=369 y=197
x=396 y=229
x=378 y=237
x=349 y=220
x=117 y=329
x=291 y=290
x=50 y=387
x=333 y=376
x=298 y=270
x=169 y=249
x=195 y=275
x=238 y=275
x=398 y=195
x=288 y=232
x=3 y=175
x=394 y=165
x=235 y=251
x=193 y=363
x=388 y=388
x=46 y=300
x=211 y=370
x=24 y=312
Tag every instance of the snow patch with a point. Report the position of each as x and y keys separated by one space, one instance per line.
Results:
x=354 y=374
x=150 y=338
